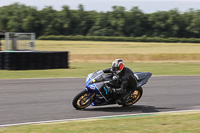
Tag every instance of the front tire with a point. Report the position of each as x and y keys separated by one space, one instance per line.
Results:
x=136 y=95
x=82 y=100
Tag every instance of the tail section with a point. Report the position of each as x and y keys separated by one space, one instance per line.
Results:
x=142 y=77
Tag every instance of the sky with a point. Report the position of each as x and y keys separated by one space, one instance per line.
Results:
x=147 y=6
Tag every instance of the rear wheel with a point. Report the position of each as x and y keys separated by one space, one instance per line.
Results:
x=83 y=100
x=135 y=96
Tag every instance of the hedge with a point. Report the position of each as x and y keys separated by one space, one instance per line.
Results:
x=127 y=39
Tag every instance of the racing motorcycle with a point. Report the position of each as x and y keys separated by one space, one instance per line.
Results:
x=96 y=93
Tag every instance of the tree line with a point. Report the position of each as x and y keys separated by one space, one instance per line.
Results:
x=118 y=22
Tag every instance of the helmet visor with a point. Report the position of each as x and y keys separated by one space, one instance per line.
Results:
x=115 y=69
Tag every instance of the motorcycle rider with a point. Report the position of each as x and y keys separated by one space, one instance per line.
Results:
x=124 y=77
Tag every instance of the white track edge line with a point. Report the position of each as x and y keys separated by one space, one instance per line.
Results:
x=64 y=120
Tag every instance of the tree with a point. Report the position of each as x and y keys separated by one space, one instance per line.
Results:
x=117 y=20
x=165 y=23
x=102 y=26
x=192 y=19
x=136 y=23
x=84 y=21
x=51 y=22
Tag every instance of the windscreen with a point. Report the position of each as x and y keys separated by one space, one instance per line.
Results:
x=94 y=77
x=98 y=76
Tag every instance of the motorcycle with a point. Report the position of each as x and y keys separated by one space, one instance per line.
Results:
x=96 y=93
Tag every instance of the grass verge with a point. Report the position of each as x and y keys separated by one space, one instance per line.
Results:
x=137 y=57
x=100 y=47
x=163 y=123
x=128 y=51
x=84 y=68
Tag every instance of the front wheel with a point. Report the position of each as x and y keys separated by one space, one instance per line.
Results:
x=83 y=100
x=135 y=96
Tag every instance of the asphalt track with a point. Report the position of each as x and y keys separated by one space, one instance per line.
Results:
x=33 y=100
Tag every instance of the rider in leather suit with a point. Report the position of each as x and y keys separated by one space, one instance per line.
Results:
x=125 y=79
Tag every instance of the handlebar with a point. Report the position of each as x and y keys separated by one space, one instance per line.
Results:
x=106 y=82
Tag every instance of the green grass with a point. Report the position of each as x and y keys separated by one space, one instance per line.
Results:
x=167 y=123
x=83 y=69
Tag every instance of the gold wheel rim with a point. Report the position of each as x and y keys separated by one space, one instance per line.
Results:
x=81 y=102
x=136 y=95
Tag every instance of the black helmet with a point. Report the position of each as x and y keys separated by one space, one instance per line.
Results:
x=117 y=66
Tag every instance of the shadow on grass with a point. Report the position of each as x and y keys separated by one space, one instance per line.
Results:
x=134 y=108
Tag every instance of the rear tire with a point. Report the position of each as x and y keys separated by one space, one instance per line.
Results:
x=82 y=100
x=136 y=95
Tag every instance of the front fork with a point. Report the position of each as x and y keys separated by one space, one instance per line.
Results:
x=90 y=97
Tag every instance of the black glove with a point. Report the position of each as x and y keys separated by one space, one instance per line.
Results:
x=110 y=90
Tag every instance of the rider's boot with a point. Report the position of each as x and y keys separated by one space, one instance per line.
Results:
x=123 y=98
